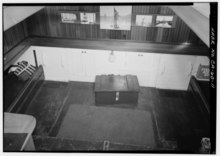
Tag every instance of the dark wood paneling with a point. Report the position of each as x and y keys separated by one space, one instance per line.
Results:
x=14 y=35
x=12 y=55
x=47 y=23
x=39 y=23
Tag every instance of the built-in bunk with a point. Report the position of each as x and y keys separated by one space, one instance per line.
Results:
x=21 y=80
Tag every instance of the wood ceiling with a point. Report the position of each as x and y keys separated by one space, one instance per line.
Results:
x=15 y=14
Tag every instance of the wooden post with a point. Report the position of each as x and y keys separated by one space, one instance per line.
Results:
x=35 y=59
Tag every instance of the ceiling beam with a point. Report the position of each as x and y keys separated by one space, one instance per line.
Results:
x=195 y=20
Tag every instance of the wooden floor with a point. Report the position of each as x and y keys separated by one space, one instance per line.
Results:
x=178 y=122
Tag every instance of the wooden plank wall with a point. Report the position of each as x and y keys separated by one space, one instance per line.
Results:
x=47 y=23
x=14 y=35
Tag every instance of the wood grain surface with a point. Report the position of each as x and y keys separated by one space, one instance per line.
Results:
x=47 y=22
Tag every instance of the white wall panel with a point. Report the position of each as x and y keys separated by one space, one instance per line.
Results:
x=163 y=71
x=175 y=71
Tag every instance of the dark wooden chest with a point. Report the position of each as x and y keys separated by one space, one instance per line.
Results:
x=116 y=89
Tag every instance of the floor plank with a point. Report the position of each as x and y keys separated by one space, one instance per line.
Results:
x=46 y=106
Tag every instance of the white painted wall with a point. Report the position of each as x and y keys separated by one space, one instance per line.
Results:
x=163 y=71
x=28 y=55
x=174 y=71
x=144 y=65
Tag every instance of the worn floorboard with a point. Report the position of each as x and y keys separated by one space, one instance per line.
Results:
x=46 y=105
x=179 y=119
x=125 y=126
x=47 y=144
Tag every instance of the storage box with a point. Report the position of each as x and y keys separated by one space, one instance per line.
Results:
x=116 y=89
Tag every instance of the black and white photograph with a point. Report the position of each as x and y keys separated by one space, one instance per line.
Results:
x=144 y=20
x=109 y=78
x=115 y=17
x=164 y=21
x=87 y=18
x=68 y=17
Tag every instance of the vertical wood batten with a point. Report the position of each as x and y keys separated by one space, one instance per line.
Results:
x=81 y=31
x=14 y=35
